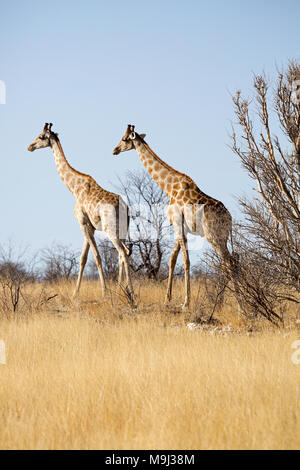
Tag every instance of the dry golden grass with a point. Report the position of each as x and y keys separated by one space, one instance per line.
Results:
x=97 y=375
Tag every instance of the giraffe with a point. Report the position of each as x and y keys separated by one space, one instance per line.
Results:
x=95 y=209
x=189 y=211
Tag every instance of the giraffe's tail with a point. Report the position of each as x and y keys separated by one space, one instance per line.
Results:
x=232 y=261
x=234 y=257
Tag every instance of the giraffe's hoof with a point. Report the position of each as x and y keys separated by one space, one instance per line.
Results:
x=185 y=306
x=105 y=296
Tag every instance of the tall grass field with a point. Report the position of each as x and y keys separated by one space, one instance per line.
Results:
x=99 y=374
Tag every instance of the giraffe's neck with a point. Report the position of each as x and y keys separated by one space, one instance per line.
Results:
x=164 y=175
x=69 y=176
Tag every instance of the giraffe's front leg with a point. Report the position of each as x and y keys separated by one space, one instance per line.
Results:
x=175 y=215
x=89 y=235
x=83 y=260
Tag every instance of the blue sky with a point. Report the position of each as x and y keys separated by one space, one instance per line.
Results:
x=91 y=67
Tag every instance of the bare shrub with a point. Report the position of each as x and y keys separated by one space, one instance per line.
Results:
x=258 y=285
x=15 y=273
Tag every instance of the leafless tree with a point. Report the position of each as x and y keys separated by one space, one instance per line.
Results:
x=270 y=230
x=273 y=218
x=59 y=261
x=150 y=231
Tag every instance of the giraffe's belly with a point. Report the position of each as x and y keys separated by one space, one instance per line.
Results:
x=188 y=216
x=193 y=219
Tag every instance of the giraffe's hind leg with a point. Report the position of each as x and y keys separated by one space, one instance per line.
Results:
x=110 y=223
x=217 y=233
x=128 y=252
x=186 y=265
x=172 y=264
x=123 y=262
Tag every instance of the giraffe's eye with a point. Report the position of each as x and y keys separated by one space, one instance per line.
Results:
x=42 y=137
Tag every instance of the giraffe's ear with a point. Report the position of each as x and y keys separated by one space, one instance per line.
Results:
x=142 y=136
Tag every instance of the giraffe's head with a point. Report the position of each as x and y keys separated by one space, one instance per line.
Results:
x=43 y=139
x=128 y=140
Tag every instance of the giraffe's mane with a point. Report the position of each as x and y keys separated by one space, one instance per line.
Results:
x=73 y=169
x=168 y=167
